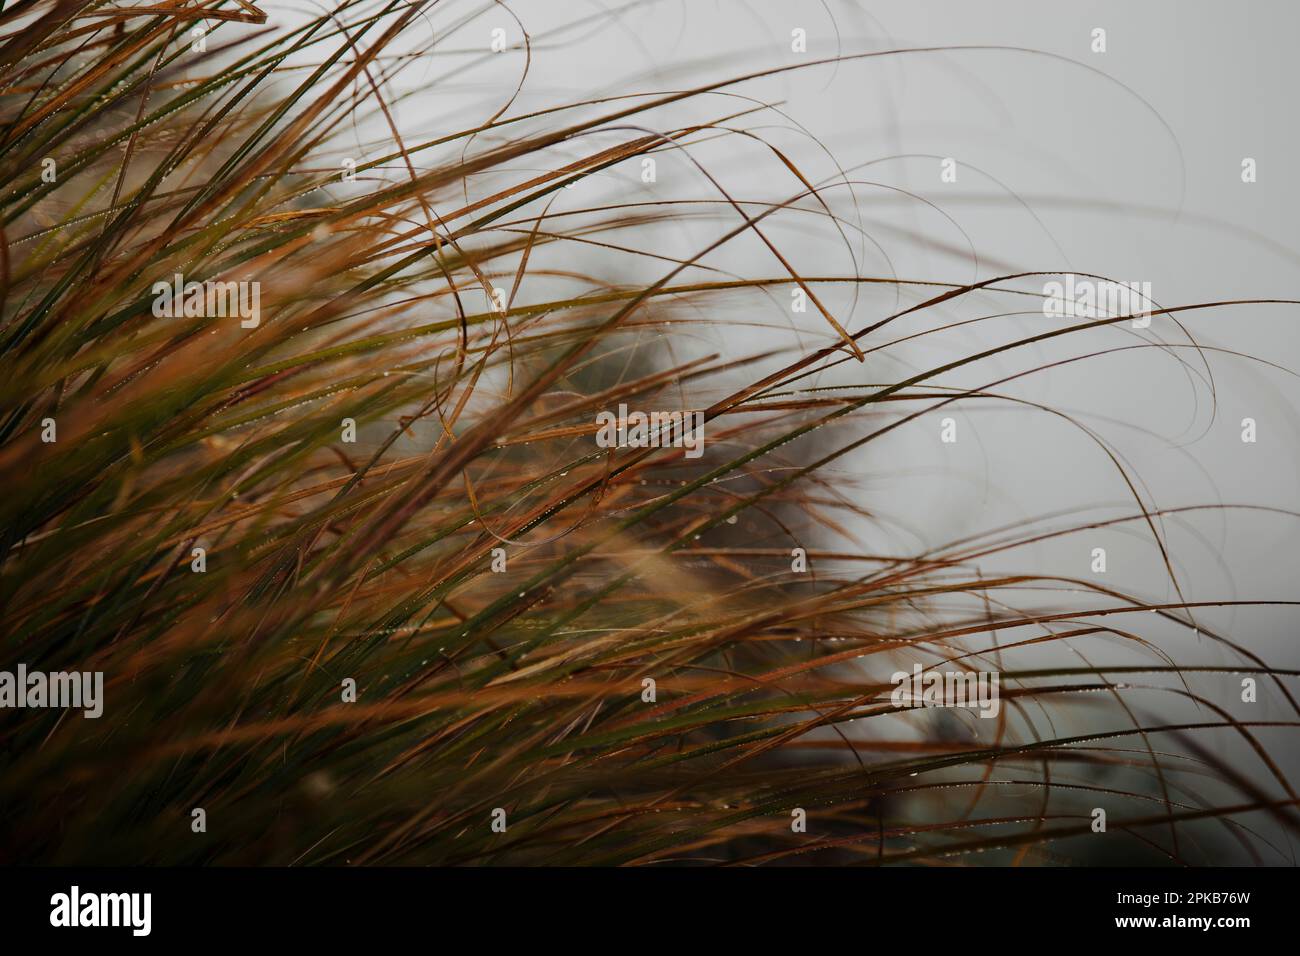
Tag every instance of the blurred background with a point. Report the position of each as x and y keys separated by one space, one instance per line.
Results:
x=1118 y=153
x=1125 y=163
x=1103 y=138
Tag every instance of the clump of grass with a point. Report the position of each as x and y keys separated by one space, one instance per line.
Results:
x=469 y=328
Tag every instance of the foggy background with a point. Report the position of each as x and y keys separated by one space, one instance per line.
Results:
x=1125 y=163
